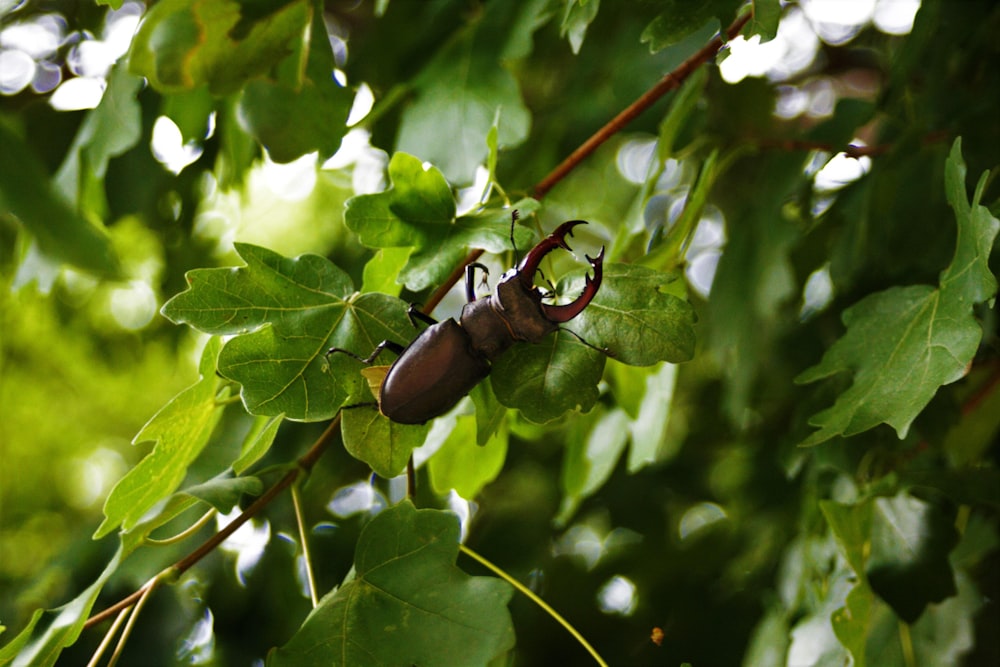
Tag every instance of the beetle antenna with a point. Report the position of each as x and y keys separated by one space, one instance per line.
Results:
x=514 y=215
x=603 y=350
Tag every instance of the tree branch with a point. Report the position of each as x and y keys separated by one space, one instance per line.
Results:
x=669 y=82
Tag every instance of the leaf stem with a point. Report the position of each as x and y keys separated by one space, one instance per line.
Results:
x=144 y=594
x=534 y=598
x=906 y=641
x=108 y=636
x=184 y=534
x=310 y=580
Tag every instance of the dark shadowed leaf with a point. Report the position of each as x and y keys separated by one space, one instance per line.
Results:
x=407 y=603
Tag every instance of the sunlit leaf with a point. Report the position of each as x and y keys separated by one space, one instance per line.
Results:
x=463 y=465
x=898 y=369
x=49 y=632
x=287 y=313
x=407 y=604
x=180 y=430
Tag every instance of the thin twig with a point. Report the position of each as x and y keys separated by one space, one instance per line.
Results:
x=669 y=82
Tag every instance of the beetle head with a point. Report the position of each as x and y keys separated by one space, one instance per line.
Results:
x=557 y=239
x=521 y=302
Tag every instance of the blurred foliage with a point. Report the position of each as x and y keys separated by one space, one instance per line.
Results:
x=791 y=459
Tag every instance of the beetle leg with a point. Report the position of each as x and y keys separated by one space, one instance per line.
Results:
x=384 y=345
x=415 y=314
x=567 y=312
x=470 y=279
x=557 y=239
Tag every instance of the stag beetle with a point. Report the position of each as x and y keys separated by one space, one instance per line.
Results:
x=449 y=358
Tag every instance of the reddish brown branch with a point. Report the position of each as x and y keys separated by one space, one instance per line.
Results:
x=669 y=82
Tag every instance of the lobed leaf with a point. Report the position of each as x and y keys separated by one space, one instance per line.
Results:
x=181 y=430
x=418 y=211
x=286 y=313
x=547 y=379
x=903 y=343
x=185 y=44
x=408 y=604
x=639 y=314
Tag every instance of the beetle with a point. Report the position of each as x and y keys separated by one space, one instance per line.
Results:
x=449 y=358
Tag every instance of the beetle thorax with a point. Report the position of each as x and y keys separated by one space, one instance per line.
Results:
x=522 y=309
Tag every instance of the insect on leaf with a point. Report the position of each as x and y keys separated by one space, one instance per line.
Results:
x=285 y=314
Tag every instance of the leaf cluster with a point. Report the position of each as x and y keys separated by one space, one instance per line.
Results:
x=786 y=453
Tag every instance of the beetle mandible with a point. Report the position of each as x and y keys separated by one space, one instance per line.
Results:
x=449 y=358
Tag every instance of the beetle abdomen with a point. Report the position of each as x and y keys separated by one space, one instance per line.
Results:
x=432 y=375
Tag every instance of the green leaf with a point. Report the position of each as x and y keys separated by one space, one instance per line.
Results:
x=648 y=430
x=224 y=491
x=185 y=44
x=457 y=98
x=490 y=414
x=679 y=19
x=547 y=379
x=577 y=16
x=934 y=333
x=852 y=622
x=419 y=211
x=382 y=269
x=766 y=16
x=61 y=232
x=258 y=442
x=408 y=604
x=180 y=429
x=851 y=526
x=287 y=313
x=109 y=130
x=300 y=112
x=383 y=444
x=591 y=457
x=464 y=466
x=908 y=566
x=637 y=314
x=41 y=646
